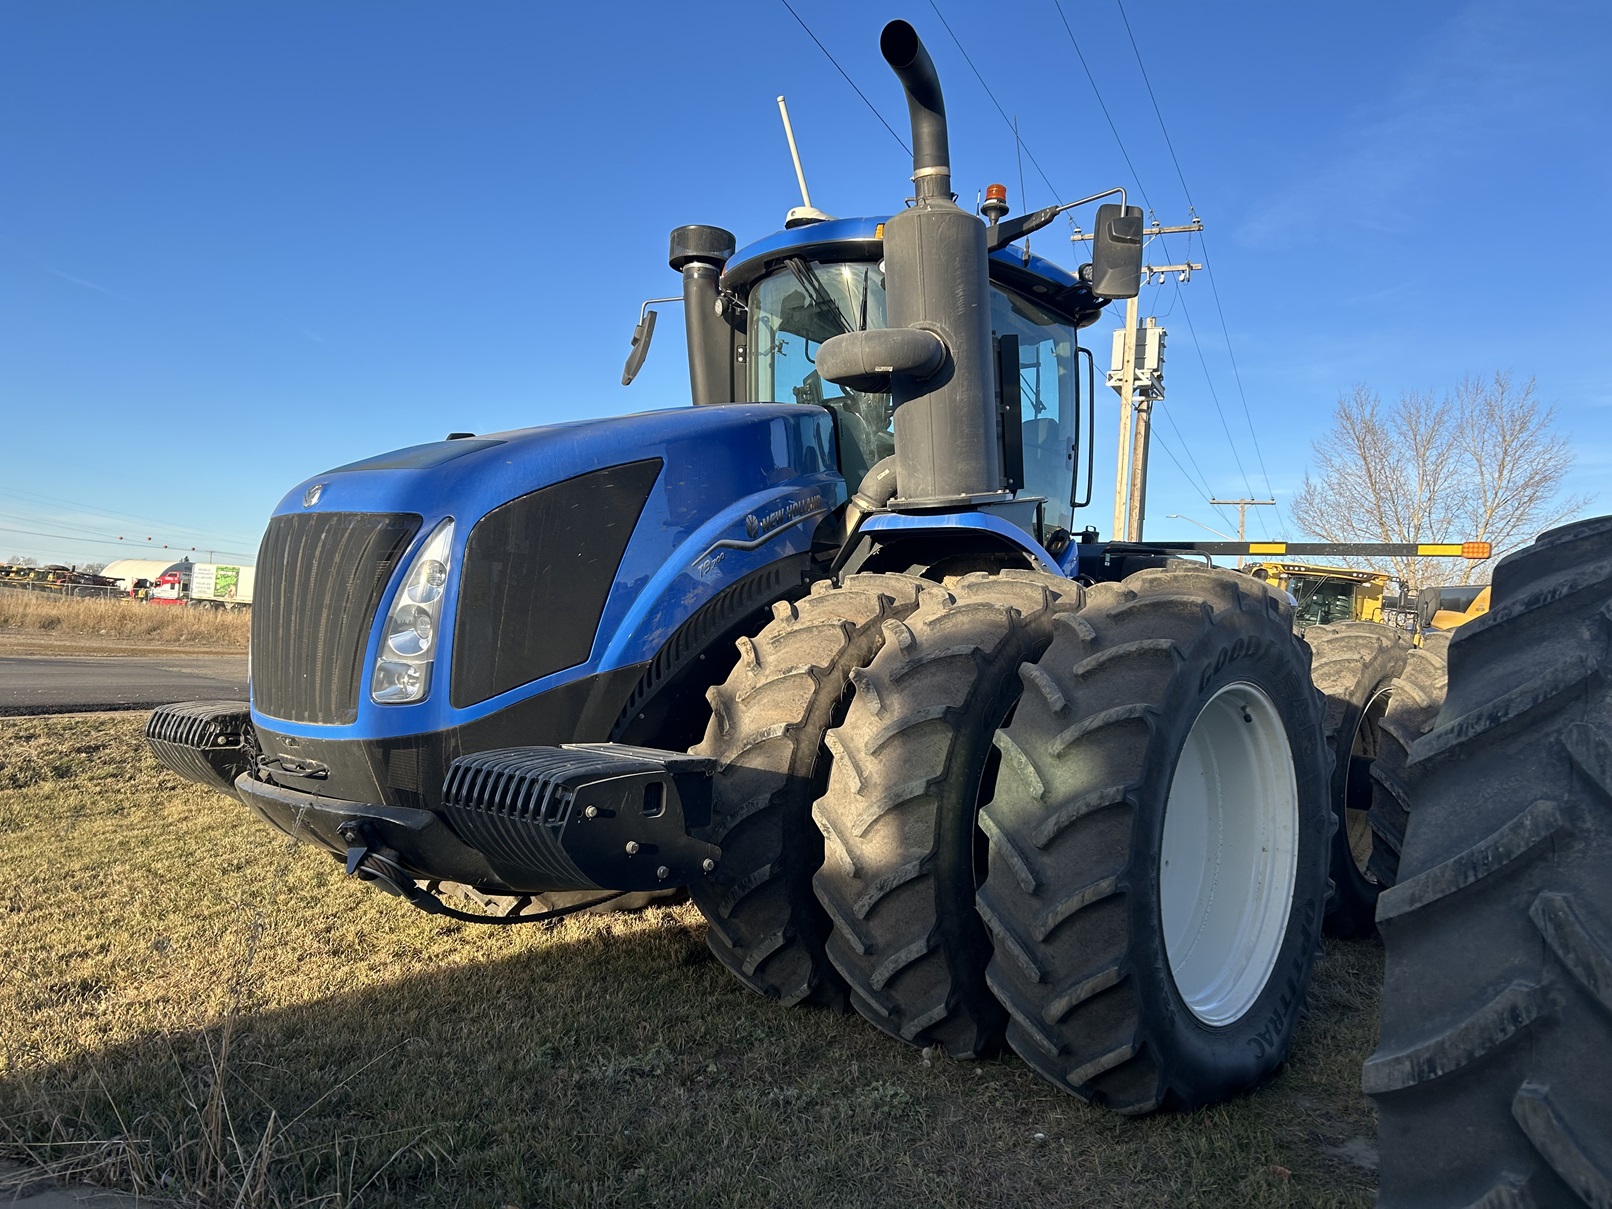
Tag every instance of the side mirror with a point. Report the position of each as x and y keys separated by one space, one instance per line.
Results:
x=641 y=336
x=1116 y=252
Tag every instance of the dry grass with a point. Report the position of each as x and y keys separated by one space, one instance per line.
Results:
x=194 y=1009
x=25 y=615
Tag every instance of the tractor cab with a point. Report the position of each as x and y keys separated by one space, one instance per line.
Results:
x=787 y=295
x=758 y=318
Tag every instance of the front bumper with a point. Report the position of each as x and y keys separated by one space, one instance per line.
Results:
x=422 y=841
x=525 y=820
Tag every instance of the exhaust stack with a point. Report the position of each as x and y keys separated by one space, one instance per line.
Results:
x=935 y=356
x=926 y=108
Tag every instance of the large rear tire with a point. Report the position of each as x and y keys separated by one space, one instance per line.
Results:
x=1159 y=844
x=1354 y=666
x=1493 y=1077
x=767 y=726
x=913 y=761
x=1415 y=698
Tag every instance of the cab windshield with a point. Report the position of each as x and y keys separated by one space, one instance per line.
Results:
x=796 y=308
x=1322 y=600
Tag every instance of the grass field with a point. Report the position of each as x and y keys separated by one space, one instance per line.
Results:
x=192 y=1009
x=54 y=623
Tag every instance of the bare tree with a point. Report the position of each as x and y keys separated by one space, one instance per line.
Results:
x=1482 y=463
x=22 y=560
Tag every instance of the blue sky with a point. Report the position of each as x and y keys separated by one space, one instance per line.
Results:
x=243 y=243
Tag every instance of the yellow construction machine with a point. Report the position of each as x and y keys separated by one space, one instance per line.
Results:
x=1326 y=595
x=1331 y=594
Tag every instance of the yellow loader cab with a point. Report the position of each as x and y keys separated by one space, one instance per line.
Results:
x=1327 y=594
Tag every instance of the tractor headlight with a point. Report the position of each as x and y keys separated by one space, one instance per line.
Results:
x=403 y=668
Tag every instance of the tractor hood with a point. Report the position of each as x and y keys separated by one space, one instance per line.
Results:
x=576 y=550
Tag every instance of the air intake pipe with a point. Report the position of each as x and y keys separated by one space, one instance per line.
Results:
x=935 y=356
x=700 y=253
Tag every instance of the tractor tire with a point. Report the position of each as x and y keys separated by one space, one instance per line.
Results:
x=1354 y=666
x=1415 y=698
x=913 y=762
x=767 y=726
x=1493 y=1076
x=1174 y=711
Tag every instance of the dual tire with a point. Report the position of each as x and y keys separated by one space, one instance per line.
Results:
x=1159 y=844
x=768 y=723
x=1097 y=824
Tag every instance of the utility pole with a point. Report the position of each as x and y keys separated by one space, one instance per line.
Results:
x=1138 y=376
x=1127 y=419
x=1242 y=516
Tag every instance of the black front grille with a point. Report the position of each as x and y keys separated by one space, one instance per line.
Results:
x=320 y=578
x=537 y=574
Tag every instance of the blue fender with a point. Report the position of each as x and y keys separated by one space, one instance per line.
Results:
x=950 y=523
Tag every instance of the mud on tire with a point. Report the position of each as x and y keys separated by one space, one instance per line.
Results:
x=1493 y=1077
x=767 y=726
x=1354 y=667
x=903 y=854
x=1075 y=895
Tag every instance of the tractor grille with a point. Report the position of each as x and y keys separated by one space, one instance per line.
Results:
x=321 y=576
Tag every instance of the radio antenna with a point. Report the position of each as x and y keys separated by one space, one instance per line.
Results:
x=801 y=215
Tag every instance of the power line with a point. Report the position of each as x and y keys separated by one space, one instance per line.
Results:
x=1214 y=288
x=1204 y=495
x=1186 y=447
x=121 y=544
x=1142 y=190
x=848 y=79
x=1101 y=104
x=29 y=497
x=1136 y=50
x=1011 y=124
x=1186 y=312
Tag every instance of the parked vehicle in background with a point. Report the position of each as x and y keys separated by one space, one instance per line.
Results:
x=58 y=580
x=172 y=587
x=221 y=586
x=139 y=575
x=1327 y=595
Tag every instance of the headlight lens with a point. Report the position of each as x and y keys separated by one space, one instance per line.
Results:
x=403 y=670
x=425 y=585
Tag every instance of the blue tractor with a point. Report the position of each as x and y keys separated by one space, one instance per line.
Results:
x=828 y=649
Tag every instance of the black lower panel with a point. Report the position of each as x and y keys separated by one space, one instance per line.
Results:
x=409 y=770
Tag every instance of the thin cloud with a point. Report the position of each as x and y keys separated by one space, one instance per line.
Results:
x=1477 y=78
x=88 y=285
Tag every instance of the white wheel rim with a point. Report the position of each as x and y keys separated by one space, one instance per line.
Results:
x=1229 y=859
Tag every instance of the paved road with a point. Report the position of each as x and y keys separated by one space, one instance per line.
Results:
x=54 y=684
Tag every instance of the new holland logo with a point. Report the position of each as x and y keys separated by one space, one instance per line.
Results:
x=311 y=496
x=787 y=514
x=760 y=529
